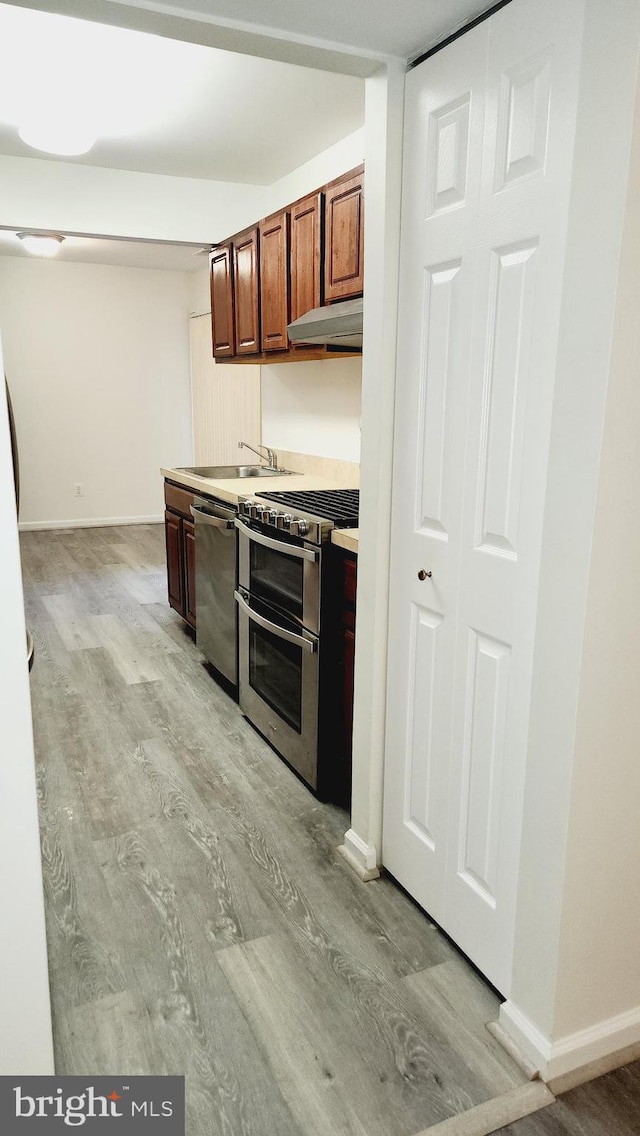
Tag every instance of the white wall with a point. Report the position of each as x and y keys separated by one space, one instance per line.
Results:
x=576 y=984
x=599 y=969
x=199 y=292
x=97 y=358
x=25 y=1035
x=313 y=408
x=330 y=164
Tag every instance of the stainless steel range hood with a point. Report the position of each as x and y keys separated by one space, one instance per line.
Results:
x=338 y=325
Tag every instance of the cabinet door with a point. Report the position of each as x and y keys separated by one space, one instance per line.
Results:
x=222 y=302
x=189 y=550
x=247 y=315
x=175 y=581
x=344 y=238
x=306 y=255
x=274 y=282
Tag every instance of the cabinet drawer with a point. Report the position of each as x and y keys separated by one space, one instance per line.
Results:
x=349 y=578
x=180 y=500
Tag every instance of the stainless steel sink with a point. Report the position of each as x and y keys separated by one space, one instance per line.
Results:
x=221 y=472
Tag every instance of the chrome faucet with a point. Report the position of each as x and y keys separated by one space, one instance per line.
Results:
x=272 y=457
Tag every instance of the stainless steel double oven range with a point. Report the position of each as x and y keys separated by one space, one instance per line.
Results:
x=279 y=598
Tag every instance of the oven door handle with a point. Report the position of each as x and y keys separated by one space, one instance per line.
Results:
x=309 y=645
x=215 y=522
x=277 y=545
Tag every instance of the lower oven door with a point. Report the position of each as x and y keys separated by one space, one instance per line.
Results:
x=279 y=668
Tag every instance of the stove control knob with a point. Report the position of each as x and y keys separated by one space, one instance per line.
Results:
x=262 y=513
x=279 y=520
x=272 y=516
x=252 y=509
x=303 y=528
x=286 y=520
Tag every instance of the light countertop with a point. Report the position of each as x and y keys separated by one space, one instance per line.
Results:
x=346 y=538
x=232 y=489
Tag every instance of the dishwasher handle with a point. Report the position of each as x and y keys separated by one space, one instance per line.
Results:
x=203 y=515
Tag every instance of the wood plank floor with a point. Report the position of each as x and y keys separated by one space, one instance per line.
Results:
x=199 y=918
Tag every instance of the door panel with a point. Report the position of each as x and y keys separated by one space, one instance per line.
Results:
x=175 y=579
x=306 y=255
x=344 y=238
x=222 y=302
x=488 y=141
x=247 y=307
x=274 y=282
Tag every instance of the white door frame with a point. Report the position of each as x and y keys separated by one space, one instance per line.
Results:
x=26 y=1045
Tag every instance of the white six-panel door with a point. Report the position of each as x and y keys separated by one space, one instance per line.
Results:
x=488 y=142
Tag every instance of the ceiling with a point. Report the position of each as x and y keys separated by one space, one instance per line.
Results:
x=295 y=30
x=171 y=103
x=127 y=254
x=169 y=107
x=379 y=27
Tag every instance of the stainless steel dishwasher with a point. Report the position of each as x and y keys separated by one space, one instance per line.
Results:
x=216 y=609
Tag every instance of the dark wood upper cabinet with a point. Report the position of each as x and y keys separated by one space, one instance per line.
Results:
x=274 y=282
x=306 y=255
x=309 y=254
x=247 y=304
x=222 y=302
x=344 y=237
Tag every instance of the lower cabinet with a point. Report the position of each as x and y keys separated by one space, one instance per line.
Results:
x=337 y=670
x=181 y=560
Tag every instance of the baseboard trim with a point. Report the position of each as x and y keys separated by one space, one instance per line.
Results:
x=579 y=1056
x=529 y=1068
x=360 y=856
x=89 y=523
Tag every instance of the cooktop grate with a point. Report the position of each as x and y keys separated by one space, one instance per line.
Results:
x=337 y=505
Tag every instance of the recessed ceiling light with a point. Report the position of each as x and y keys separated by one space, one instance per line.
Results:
x=57 y=136
x=41 y=244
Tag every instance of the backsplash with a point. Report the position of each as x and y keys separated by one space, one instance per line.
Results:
x=346 y=473
x=313 y=408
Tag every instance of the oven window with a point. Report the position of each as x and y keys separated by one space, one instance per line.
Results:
x=277 y=578
x=275 y=673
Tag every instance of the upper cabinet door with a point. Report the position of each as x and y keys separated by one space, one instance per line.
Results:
x=306 y=255
x=222 y=302
x=247 y=313
x=274 y=282
x=344 y=238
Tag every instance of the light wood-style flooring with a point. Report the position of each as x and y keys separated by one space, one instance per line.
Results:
x=199 y=918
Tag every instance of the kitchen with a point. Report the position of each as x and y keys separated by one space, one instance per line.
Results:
x=376 y=418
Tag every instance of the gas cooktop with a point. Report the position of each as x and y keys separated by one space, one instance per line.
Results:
x=337 y=505
x=307 y=514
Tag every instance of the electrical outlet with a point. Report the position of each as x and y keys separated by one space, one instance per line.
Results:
x=78 y=490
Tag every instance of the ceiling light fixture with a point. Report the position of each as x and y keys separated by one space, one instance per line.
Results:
x=41 y=244
x=59 y=135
